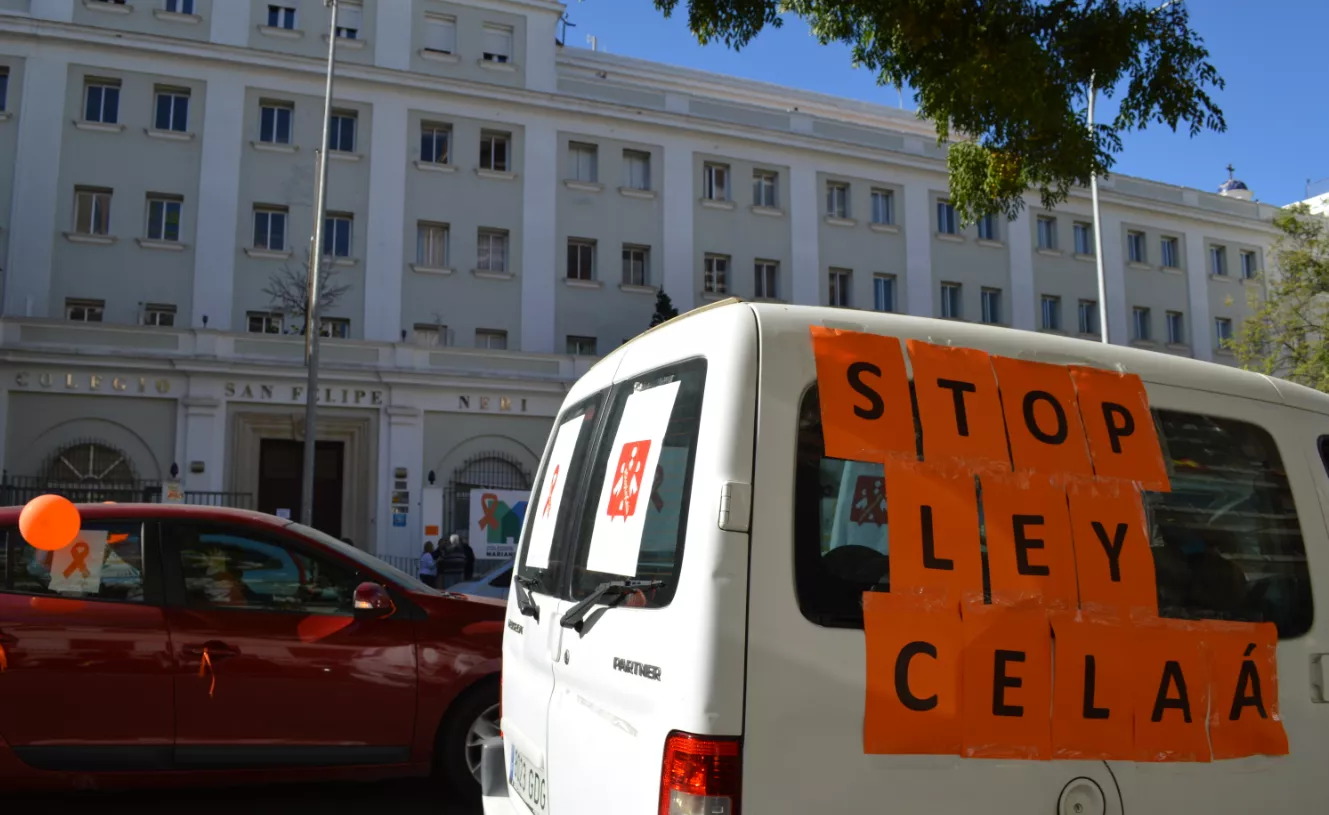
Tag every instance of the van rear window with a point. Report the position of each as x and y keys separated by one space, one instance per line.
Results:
x=1226 y=541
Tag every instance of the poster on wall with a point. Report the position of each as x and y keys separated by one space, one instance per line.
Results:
x=496 y=518
x=551 y=493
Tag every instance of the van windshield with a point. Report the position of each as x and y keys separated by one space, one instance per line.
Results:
x=1226 y=541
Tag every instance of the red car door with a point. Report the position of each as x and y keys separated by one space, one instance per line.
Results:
x=274 y=668
x=87 y=676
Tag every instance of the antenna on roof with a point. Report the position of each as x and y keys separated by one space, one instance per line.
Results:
x=591 y=38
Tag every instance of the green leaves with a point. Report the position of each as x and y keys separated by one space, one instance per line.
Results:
x=1009 y=78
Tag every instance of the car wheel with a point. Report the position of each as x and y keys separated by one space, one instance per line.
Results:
x=472 y=720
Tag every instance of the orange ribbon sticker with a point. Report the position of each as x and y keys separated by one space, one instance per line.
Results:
x=1113 y=561
x=913 y=676
x=78 y=560
x=1093 y=715
x=1007 y=682
x=1030 y=555
x=1243 y=716
x=935 y=545
x=1170 y=675
x=1042 y=417
x=205 y=666
x=489 y=503
x=1122 y=435
x=866 y=411
x=958 y=405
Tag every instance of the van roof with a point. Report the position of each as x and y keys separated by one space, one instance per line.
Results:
x=1151 y=366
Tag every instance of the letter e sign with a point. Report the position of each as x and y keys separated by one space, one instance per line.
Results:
x=1121 y=431
x=866 y=411
x=1007 y=681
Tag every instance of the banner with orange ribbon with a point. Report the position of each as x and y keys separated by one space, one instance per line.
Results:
x=77 y=569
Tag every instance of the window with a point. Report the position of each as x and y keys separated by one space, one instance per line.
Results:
x=492 y=251
x=431 y=245
x=4 y=88
x=764 y=189
x=1223 y=330
x=767 y=277
x=838 y=287
x=85 y=311
x=494 y=151
x=164 y=218
x=636 y=265
x=716 y=274
x=264 y=322
x=1084 y=238
x=92 y=211
x=581 y=346
x=172 y=110
x=281 y=17
x=883 y=207
x=1169 y=255
x=1247 y=265
x=161 y=315
x=274 y=122
x=114 y=565
x=270 y=228
x=350 y=19
x=837 y=200
x=1047 y=233
x=636 y=170
x=238 y=568
x=947 y=224
x=492 y=339
x=582 y=162
x=428 y=335
x=1141 y=323
x=715 y=181
x=1226 y=540
x=1051 y=307
x=1218 y=261
x=337 y=228
x=581 y=259
x=950 y=301
x=179 y=6
x=991 y=302
x=883 y=292
x=1135 y=247
x=101 y=101
x=338 y=328
x=1176 y=328
x=987 y=228
x=497 y=44
x=435 y=143
x=440 y=33
x=341 y=133
x=1088 y=310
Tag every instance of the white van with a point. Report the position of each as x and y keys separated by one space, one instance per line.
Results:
x=708 y=655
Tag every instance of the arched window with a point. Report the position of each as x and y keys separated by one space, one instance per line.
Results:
x=89 y=463
x=494 y=471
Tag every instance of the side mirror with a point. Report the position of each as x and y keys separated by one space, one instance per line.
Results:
x=372 y=600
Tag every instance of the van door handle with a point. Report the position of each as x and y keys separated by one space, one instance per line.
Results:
x=213 y=648
x=1319 y=693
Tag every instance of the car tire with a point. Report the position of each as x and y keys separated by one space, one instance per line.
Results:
x=472 y=718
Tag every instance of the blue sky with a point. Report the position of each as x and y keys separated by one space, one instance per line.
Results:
x=1275 y=104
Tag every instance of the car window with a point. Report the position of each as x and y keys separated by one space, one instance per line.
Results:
x=621 y=479
x=503 y=579
x=368 y=561
x=104 y=563
x=225 y=567
x=1226 y=540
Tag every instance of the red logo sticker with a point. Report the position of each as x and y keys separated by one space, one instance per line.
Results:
x=549 y=502
x=627 y=479
x=869 y=501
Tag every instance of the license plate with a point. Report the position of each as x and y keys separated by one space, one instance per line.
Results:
x=529 y=783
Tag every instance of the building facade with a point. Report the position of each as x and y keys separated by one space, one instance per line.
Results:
x=501 y=209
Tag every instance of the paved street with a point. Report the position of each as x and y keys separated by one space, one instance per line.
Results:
x=387 y=798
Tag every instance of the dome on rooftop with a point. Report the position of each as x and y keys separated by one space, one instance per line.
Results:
x=1232 y=184
x=1234 y=188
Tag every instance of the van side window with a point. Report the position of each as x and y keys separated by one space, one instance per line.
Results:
x=1226 y=541
x=666 y=499
x=108 y=565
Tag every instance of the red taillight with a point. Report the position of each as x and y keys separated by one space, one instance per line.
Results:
x=697 y=768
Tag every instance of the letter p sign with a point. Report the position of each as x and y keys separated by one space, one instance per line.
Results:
x=1121 y=432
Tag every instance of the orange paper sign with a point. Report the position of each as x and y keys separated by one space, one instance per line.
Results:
x=1030 y=554
x=1243 y=717
x=1122 y=436
x=958 y=405
x=1170 y=678
x=1093 y=716
x=1042 y=417
x=866 y=411
x=935 y=545
x=1007 y=683
x=913 y=681
x=1112 y=558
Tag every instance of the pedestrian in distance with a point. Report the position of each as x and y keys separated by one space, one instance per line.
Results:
x=468 y=569
x=451 y=562
x=429 y=566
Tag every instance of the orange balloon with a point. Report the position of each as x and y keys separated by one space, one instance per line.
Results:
x=49 y=522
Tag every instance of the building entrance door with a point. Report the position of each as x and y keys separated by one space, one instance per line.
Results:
x=279 y=481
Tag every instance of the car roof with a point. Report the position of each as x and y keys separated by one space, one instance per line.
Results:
x=10 y=515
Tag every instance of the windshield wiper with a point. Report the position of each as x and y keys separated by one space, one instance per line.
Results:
x=611 y=594
x=525 y=604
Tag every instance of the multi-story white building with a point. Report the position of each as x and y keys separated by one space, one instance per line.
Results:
x=501 y=209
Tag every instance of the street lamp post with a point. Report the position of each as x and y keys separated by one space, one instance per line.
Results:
x=312 y=296
x=1098 y=230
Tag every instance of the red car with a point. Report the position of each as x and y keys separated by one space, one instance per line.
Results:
x=192 y=645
